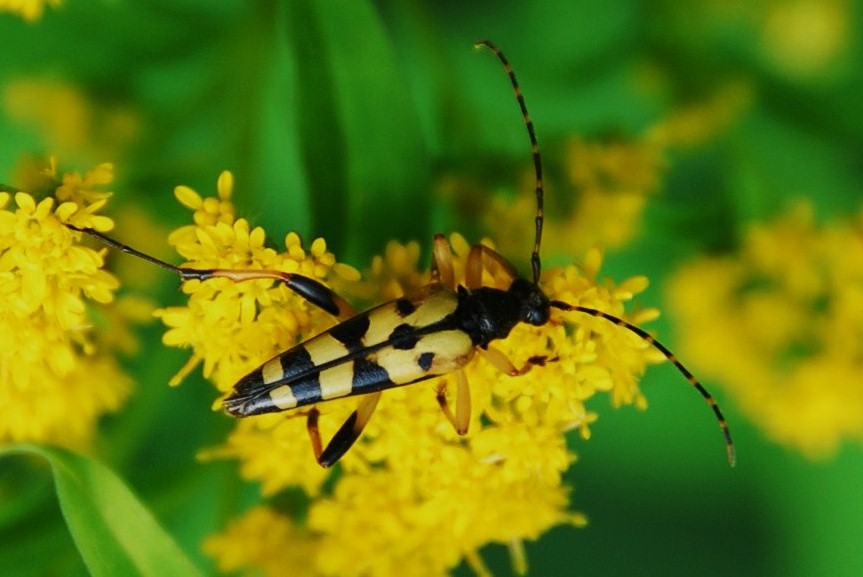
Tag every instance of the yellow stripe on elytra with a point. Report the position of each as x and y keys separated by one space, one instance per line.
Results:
x=430 y=309
x=382 y=321
x=451 y=349
x=436 y=307
x=283 y=397
x=401 y=365
x=272 y=371
x=324 y=349
x=337 y=381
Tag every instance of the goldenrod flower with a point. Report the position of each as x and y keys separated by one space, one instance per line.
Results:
x=780 y=324
x=54 y=380
x=422 y=497
x=234 y=327
x=266 y=540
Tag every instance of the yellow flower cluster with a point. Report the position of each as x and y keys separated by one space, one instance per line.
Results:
x=226 y=323
x=55 y=381
x=422 y=498
x=780 y=324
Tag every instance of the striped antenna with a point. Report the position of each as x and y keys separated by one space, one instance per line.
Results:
x=723 y=424
x=534 y=147
x=309 y=289
x=129 y=250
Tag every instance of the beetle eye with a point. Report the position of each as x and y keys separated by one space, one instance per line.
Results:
x=537 y=316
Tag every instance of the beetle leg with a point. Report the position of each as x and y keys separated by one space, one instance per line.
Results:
x=474 y=266
x=311 y=290
x=498 y=360
x=440 y=395
x=347 y=434
x=441 y=266
x=462 y=407
x=314 y=432
x=461 y=419
x=502 y=363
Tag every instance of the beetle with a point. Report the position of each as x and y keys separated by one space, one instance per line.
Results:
x=433 y=332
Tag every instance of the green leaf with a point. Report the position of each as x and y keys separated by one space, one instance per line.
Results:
x=114 y=532
x=363 y=148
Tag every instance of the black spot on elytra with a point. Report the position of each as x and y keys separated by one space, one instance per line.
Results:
x=351 y=332
x=404 y=337
x=404 y=307
x=425 y=361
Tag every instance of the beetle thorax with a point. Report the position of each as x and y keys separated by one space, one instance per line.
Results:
x=487 y=314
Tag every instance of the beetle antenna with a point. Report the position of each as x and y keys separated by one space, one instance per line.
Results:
x=723 y=424
x=534 y=147
x=309 y=289
x=127 y=249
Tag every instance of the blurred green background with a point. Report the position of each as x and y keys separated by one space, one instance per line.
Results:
x=340 y=119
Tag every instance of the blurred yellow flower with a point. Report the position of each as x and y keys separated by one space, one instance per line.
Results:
x=600 y=203
x=56 y=376
x=780 y=325
x=608 y=182
x=67 y=120
x=266 y=540
x=30 y=10
x=423 y=498
x=802 y=40
x=805 y=38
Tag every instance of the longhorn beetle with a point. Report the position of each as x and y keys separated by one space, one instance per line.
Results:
x=419 y=336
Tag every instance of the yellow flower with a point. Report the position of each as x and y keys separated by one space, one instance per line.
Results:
x=55 y=381
x=264 y=539
x=28 y=9
x=234 y=327
x=422 y=497
x=63 y=117
x=780 y=324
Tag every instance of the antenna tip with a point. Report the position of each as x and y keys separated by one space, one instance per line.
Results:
x=732 y=456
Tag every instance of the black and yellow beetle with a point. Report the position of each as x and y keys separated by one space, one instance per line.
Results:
x=433 y=332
